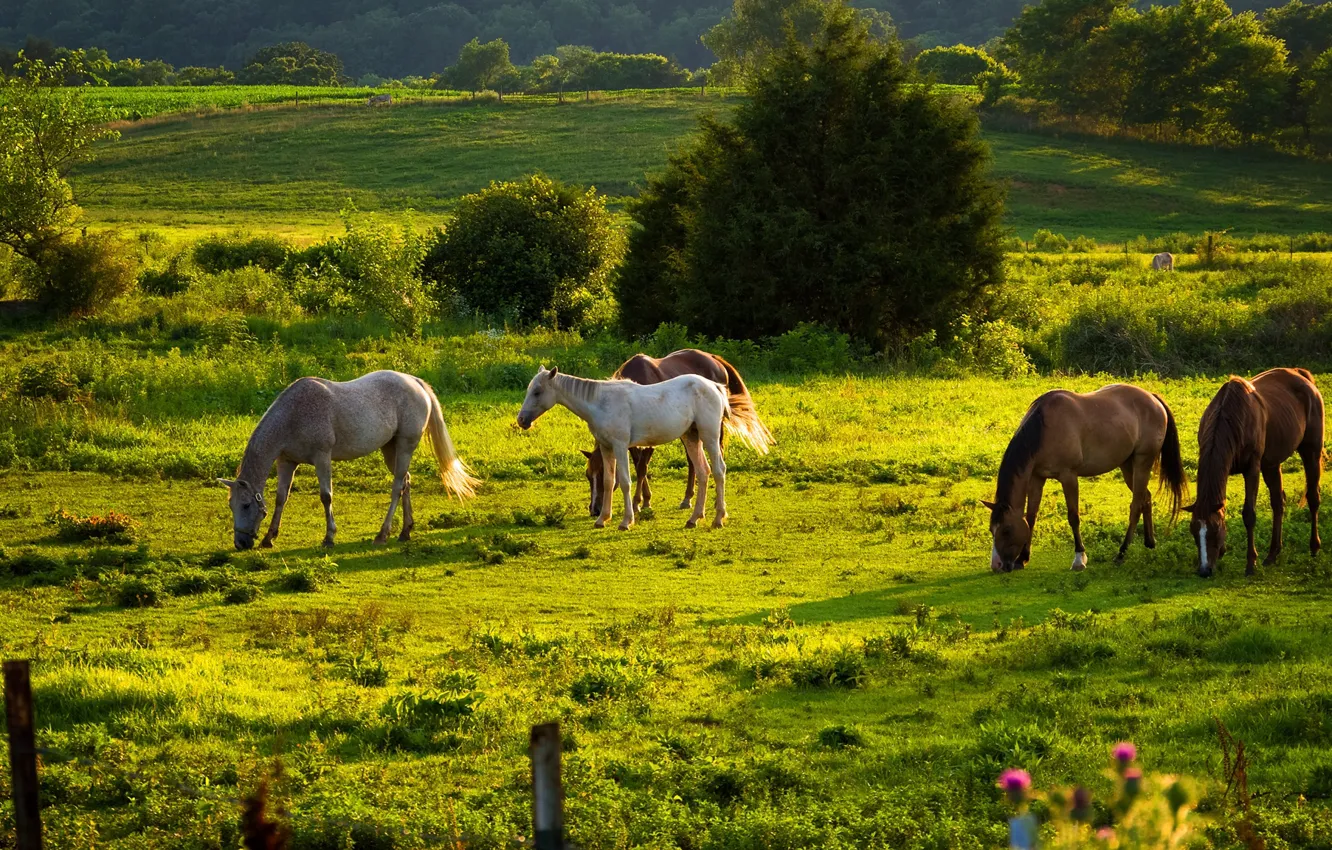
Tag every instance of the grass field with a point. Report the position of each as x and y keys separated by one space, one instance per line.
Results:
x=293 y=170
x=835 y=668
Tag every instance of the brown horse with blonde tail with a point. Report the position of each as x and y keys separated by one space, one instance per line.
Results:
x=1066 y=436
x=1249 y=429
x=642 y=369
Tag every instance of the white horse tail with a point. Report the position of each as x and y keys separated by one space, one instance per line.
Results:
x=457 y=478
x=744 y=420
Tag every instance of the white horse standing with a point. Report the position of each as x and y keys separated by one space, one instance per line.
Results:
x=316 y=421
x=623 y=414
x=1163 y=262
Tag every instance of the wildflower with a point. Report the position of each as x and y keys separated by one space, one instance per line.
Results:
x=1105 y=834
x=1176 y=795
x=1132 y=782
x=1015 y=783
x=1124 y=753
x=1082 y=802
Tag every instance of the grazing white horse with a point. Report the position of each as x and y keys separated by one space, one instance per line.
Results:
x=622 y=414
x=377 y=99
x=1163 y=262
x=316 y=421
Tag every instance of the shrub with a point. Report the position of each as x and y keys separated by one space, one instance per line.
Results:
x=533 y=250
x=841 y=737
x=307 y=578
x=767 y=222
x=81 y=275
x=170 y=280
x=237 y=250
x=959 y=65
x=242 y=594
x=48 y=379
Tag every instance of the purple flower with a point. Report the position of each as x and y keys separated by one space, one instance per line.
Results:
x=1124 y=752
x=1015 y=783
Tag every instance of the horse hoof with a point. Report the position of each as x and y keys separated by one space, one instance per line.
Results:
x=381 y=539
x=405 y=537
x=685 y=505
x=266 y=543
x=719 y=523
x=328 y=543
x=625 y=526
x=1269 y=560
x=601 y=523
x=1119 y=559
x=1079 y=562
x=693 y=523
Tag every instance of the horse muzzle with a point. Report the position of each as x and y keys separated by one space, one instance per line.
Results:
x=524 y=422
x=244 y=541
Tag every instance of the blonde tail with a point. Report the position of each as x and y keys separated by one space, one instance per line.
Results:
x=458 y=481
x=744 y=420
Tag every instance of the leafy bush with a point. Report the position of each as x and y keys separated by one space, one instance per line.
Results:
x=959 y=65
x=47 y=379
x=81 y=275
x=307 y=578
x=242 y=594
x=533 y=250
x=841 y=737
x=765 y=223
x=139 y=592
x=235 y=251
x=172 y=279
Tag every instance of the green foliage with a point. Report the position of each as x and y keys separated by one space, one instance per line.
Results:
x=480 y=66
x=80 y=275
x=113 y=527
x=959 y=65
x=841 y=737
x=535 y=250
x=292 y=63
x=238 y=250
x=764 y=223
x=145 y=592
x=45 y=131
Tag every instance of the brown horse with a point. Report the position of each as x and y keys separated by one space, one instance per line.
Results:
x=1067 y=436
x=1250 y=428
x=642 y=369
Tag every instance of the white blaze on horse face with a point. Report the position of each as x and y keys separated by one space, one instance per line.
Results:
x=1202 y=545
x=996 y=563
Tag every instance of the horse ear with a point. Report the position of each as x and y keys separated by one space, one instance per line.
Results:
x=227 y=482
x=1188 y=509
x=988 y=505
x=554 y=370
x=587 y=454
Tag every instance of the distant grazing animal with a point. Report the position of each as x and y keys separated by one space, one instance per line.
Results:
x=1067 y=436
x=1250 y=428
x=642 y=369
x=316 y=421
x=622 y=414
x=377 y=99
x=1163 y=262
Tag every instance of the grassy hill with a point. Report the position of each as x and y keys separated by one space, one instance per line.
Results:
x=292 y=170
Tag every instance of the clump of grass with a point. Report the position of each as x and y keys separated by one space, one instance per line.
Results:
x=550 y=516
x=365 y=671
x=308 y=577
x=242 y=594
x=495 y=548
x=609 y=678
x=450 y=519
x=112 y=528
x=30 y=563
x=139 y=593
x=15 y=511
x=841 y=737
x=843 y=667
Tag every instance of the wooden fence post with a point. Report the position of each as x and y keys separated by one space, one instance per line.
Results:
x=23 y=755
x=547 y=788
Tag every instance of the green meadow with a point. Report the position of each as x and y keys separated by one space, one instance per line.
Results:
x=292 y=170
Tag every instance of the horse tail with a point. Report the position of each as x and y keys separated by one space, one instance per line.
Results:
x=458 y=481
x=744 y=420
x=1172 y=465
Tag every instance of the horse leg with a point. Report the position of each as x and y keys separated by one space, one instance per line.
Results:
x=1312 y=457
x=644 y=480
x=1034 y=490
x=699 y=466
x=607 y=483
x=622 y=478
x=1250 y=517
x=1070 y=484
x=718 y=478
x=408 y=518
x=324 y=472
x=1277 y=493
x=286 y=472
x=689 y=479
x=390 y=452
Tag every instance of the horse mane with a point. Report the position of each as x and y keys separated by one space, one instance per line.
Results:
x=1221 y=435
x=580 y=388
x=1021 y=451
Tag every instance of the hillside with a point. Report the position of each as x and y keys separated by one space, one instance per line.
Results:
x=293 y=170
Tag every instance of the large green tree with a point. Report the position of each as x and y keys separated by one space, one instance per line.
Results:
x=481 y=66
x=843 y=193
x=294 y=63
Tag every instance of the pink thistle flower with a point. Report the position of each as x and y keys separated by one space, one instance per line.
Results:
x=1015 y=783
x=1124 y=752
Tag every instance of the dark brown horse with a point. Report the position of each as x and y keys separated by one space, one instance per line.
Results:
x=1249 y=429
x=1067 y=436
x=642 y=369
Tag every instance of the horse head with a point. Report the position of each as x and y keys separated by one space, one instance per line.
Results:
x=1209 y=533
x=247 y=511
x=1012 y=537
x=540 y=397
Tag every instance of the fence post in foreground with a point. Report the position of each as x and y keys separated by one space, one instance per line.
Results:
x=23 y=755
x=547 y=787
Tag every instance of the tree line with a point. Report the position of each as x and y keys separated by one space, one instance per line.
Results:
x=1197 y=70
